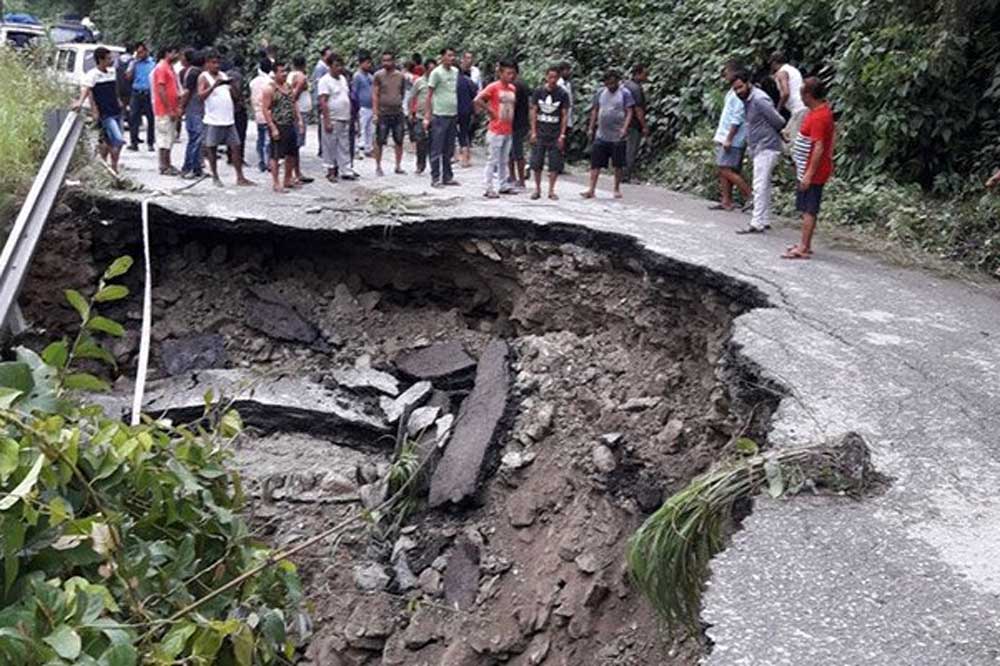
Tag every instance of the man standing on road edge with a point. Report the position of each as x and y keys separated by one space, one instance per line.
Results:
x=638 y=128
x=813 y=156
x=388 y=91
x=166 y=107
x=730 y=144
x=497 y=101
x=139 y=70
x=549 y=111
x=215 y=90
x=764 y=125
x=440 y=113
x=335 y=114
x=100 y=86
x=610 y=115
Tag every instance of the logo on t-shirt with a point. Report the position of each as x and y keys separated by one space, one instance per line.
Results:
x=548 y=110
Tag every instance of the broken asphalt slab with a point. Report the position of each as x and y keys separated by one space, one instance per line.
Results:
x=270 y=403
x=909 y=359
x=457 y=476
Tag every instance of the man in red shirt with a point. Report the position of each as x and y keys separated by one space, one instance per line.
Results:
x=813 y=157
x=166 y=106
x=497 y=101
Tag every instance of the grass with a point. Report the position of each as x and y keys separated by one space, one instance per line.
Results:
x=26 y=92
x=668 y=555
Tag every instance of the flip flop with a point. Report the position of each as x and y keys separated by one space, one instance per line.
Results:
x=587 y=195
x=795 y=247
x=795 y=254
x=719 y=206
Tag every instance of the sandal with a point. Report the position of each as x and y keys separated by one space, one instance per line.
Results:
x=795 y=253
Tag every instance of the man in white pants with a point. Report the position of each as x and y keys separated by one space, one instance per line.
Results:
x=335 y=120
x=764 y=125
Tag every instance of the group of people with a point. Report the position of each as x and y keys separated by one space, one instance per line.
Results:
x=437 y=102
x=800 y=126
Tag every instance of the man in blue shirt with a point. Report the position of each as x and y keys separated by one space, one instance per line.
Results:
x=730 y=144
x=361 y=89
x=141 y=103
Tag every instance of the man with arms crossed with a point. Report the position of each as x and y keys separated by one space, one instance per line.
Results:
x=549 y=112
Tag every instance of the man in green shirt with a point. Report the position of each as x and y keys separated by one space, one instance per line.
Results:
x=440 y=117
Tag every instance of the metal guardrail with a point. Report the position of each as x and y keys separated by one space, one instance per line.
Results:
x=30 y=223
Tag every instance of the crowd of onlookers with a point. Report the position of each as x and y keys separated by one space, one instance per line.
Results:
x=438 y=103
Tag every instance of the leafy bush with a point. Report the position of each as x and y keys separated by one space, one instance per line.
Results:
x=25 y=94
x=124 y=543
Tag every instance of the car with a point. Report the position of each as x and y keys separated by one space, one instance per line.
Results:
x=21 y=31
x=72 y=29
x=72 y=61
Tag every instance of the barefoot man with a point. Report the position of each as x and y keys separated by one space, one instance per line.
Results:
x=285 y=125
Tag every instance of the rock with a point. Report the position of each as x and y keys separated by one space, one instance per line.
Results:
x=514 y=460
x=370 y=577
x=438 y=363
x=612 y=439
x=538 y=649
x=344 y=303
x=403 y=545
x=370 y=623
x=421 y=420
x=374 y=494
x=367 y=379
x=461 y=576
x=456 y=478
x=405 y=578
x=604 y=459
x=410 y=398
x=670 y=436
x=430 y=582
x=369 y=300
x=279 y=322
x=441 y=400
x=521 y=509
x=279 y=404
x=166 y=295
x=486 y=249
x=587 y=562
x=193 y=352
x=427 y=626
x=540 y=424
x=640 y=404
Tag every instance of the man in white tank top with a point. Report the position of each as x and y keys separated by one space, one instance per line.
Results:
x=220 y=117
x=789 y=80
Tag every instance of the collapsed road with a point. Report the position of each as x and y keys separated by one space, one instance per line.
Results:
x=638 y=338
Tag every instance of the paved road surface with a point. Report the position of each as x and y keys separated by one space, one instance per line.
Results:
x=910 y=360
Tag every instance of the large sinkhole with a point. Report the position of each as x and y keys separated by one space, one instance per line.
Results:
x=560 y=383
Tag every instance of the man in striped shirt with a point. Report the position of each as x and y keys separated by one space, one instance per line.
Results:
x=813 y=157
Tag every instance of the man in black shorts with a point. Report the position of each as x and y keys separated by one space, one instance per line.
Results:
x=549 y=113
x=388 y=91
x=284 y=122
x=522 y=125
x=610 y=116
x=466 y=91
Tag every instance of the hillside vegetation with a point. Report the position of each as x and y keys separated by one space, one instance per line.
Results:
x=915 y=83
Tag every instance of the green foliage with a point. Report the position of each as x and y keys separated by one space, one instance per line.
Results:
x=26 y=92
x=120 y=543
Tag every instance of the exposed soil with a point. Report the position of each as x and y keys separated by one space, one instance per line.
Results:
x=624 y=387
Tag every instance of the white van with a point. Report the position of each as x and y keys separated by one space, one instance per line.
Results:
x=72 y=61
x=21 y=35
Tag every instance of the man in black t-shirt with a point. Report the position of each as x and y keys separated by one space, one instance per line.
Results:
x=522 y=125
x=549 y=116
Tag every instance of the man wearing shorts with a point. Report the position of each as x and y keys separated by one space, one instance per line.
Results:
x=813 y=157
x=388 y=91
x=610 y=115
x=549 y=114
x=730 y=144
x=166 y=106
x=522 y=126
x=215 y=90
x=284 y=122
x=100 y=87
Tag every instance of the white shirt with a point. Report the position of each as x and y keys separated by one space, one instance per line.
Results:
x=568 y=87
x=476 y=76
x=794 y=103
x=219 y=109
x=338 y=94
